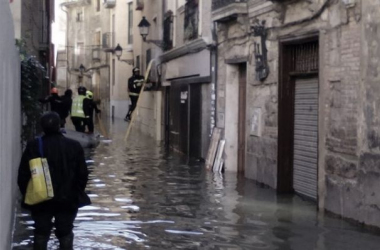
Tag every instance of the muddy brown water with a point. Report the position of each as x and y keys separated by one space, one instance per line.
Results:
x=146 y=198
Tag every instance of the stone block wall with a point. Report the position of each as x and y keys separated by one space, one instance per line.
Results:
x=349 y=120
x=10 y=123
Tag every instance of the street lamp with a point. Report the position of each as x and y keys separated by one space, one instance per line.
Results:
x=144 y=31
x=118 y=50
x=82 y=69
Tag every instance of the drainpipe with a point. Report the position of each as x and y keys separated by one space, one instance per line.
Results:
x=67 y=47
x=214 y=69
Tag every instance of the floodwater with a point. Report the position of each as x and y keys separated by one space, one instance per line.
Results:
x=146 y=198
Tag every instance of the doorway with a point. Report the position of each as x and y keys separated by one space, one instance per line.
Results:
x=235 y=117
x=298 y=93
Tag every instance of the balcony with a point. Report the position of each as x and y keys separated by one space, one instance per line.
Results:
x=75 y=3
x=108 y=4
x=226 y=10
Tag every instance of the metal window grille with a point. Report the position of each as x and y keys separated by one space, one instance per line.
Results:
x=217 y=4
x=304 y=57
x=191 y=20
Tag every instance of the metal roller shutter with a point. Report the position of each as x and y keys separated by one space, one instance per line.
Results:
x=305 y=166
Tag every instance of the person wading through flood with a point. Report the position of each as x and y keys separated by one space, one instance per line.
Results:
x=135 y=83
x=80 y=110
x=66 y=106
x=69 y=175
x=55 y=102
x=92 y=107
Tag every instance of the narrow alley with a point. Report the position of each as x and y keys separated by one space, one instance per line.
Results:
x=146 y=198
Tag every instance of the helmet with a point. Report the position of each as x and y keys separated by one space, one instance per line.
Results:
x=54 y=91
x=82 y=90
x=68 y=92
x=89 y=94
x=135 y=69
x=50 y=122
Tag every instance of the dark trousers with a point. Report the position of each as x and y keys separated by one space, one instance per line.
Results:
x=63 y=121
x=63 y=222
x=90 y=124
x=79 y=123
x=134 y=100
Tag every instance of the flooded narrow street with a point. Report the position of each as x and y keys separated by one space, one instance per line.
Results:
x=146 y=198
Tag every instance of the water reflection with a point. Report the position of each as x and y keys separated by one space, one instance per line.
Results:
x=145 y=198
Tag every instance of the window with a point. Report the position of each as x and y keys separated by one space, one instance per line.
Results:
x=98 y=36
x=97 y=5
x=130 y=23
x=168 y=31
x=191 y=20
x=137 y=62
x=79 y=16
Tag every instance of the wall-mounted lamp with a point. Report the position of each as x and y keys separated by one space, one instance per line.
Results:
x=144 y=26
x=262 y=68
x=118 y=50
x=82 y=69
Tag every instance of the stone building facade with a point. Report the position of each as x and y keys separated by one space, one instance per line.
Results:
x=297 y=96
x=187 y=76
x=136 y=53
x=179 y=43
x=88 y=43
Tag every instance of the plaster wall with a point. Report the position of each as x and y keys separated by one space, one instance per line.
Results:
x=149 y=119
x=16 y=8
x=10 y=123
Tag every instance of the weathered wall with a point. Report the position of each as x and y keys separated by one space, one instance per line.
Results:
x=10 y=123
x=349 y=148
x=261 y=151
x=352 y=161
x=149 y=119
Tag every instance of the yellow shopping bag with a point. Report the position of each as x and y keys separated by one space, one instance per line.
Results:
x=40 y=187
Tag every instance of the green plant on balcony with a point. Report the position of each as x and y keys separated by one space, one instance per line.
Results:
x=32 y=77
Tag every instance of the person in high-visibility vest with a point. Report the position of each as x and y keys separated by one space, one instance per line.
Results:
x=80 y=110
x=135 y=83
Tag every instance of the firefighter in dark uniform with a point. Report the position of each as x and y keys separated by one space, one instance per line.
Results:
x=92 y=107
x=135 y=83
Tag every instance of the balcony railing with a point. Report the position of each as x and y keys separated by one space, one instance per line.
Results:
x=217 y=4
x=109 y=3
x=76 y=2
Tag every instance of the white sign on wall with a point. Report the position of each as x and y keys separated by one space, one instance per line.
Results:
x=256 y=122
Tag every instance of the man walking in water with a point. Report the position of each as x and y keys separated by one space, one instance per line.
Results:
x=135 y=83
x=69 y=175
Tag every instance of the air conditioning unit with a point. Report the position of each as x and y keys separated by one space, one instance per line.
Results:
x=109 y=3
